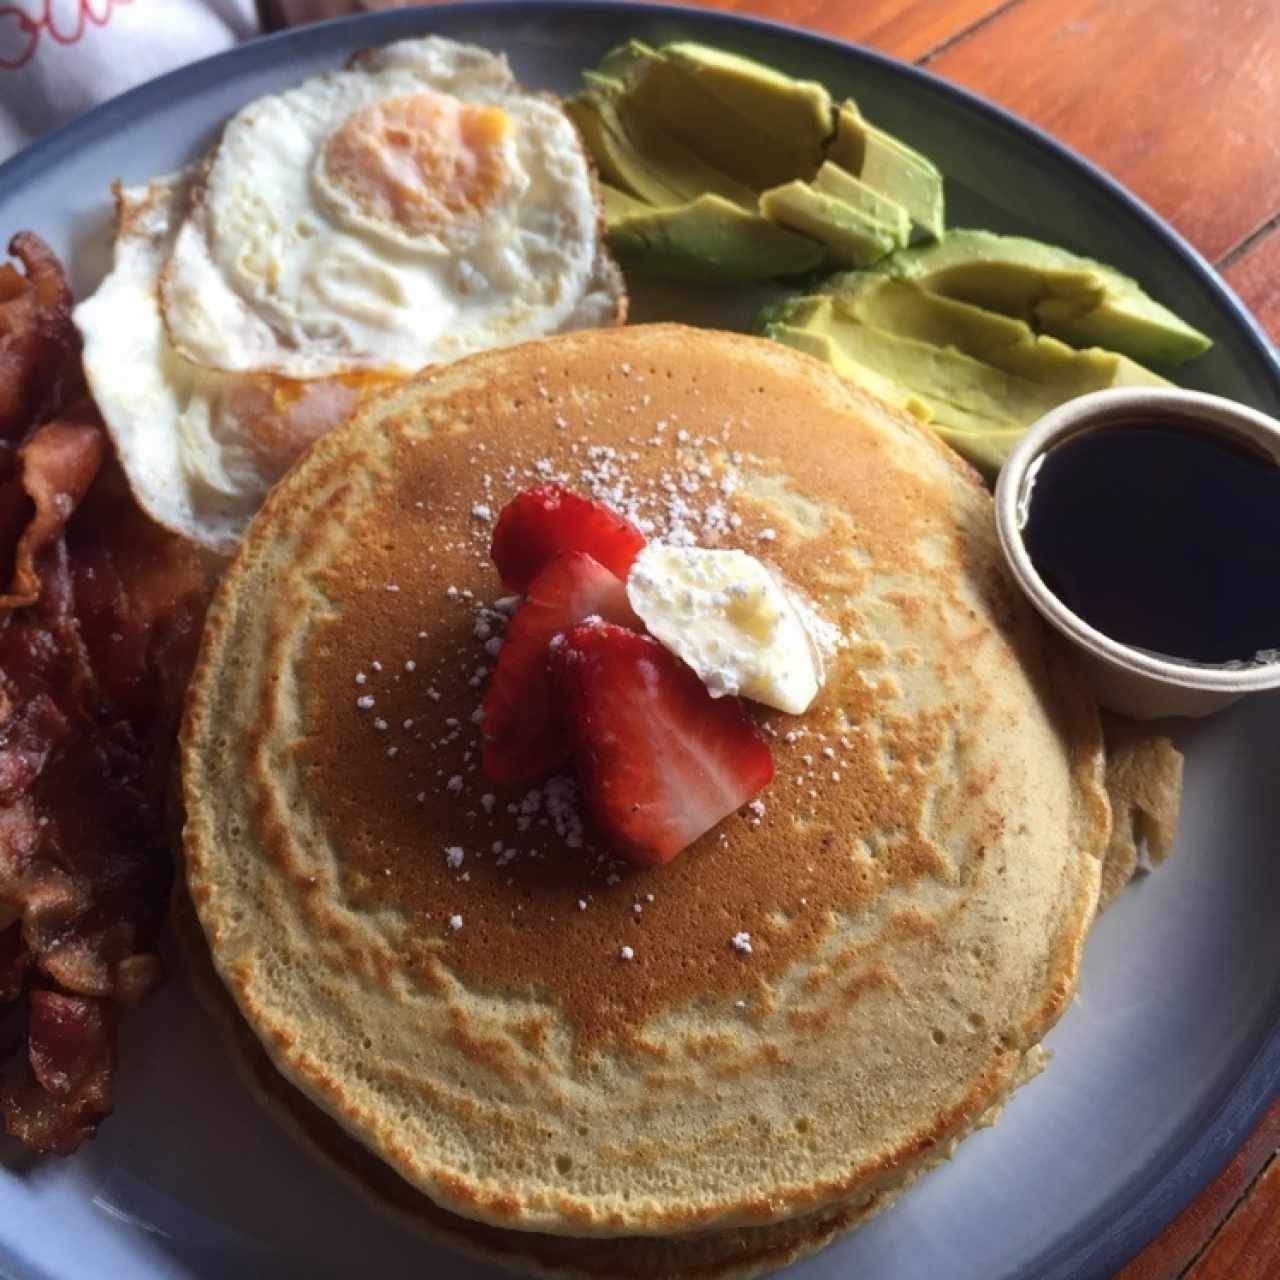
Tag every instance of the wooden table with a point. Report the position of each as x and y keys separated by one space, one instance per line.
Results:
x=1179 y=100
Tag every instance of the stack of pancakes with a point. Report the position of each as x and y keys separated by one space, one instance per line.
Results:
x=457 y=993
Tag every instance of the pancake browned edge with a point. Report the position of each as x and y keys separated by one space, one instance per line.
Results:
x=1144 y=784
x=736 y=1254
x=917 y=890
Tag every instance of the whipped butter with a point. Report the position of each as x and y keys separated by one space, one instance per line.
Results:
x=726 y=615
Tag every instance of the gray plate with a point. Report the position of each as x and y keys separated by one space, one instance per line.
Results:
x=1172 y=1048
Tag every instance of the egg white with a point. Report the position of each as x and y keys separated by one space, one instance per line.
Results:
x=197 y=447
x=274 y=269
x=211 y=384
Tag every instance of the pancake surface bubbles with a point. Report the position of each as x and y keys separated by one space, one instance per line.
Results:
x=436 y=962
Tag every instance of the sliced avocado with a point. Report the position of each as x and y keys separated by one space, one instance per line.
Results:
x=670 y=125
x=602 y=82
x=645 y=162
x=710 y=238
x=679 y=101
x=780 y=107
x=627 y=62
x=1083 y=302
x=616 y=159
x=795 y=309
x=857 y=225
x=902 y=308
x=619 y=205
x=825 y=348
x=700 y=177
x=976 y=378
x=889 y=167
x=840 y=183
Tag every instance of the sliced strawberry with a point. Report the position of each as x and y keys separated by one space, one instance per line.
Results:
x=524 y=727
x=661 y=761
x=538 y=524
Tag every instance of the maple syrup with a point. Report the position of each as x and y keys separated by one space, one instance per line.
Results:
x=1162 y=536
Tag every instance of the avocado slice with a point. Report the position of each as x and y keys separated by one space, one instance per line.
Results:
x=619 y=205
x=627 y=62
x=668 y=126
x=787 y=110
x=856 y=224
x=709 y=238
x=644 y=161
x=1083 y=302
x=725 y=110
x=704 y=239
x=901 y=307
x=977 y=378
x=1077 y=299
x=889 y=166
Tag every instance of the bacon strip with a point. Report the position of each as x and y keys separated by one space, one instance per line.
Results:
x=59 y=463
x=98 y=632
x=71 y=1051
x=68 y=1040
x=39 y=348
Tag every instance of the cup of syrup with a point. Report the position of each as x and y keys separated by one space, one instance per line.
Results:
x=1144 y=525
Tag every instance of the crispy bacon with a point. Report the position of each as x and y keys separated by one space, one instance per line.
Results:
x=68 y=1039
x=39 y=348
x=98 y=631
x=58 y=464
x=71 y=1053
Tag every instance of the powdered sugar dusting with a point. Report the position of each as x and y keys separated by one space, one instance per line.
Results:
x=691 y=495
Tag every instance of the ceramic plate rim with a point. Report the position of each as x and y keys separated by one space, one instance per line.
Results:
x=1104 y=1241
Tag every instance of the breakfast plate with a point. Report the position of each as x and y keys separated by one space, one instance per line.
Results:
x=1172 y=1047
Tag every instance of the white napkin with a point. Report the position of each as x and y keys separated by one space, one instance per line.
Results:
x=60 y=57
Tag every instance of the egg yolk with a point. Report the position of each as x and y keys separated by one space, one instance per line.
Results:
x=422 y=163
x=277 y=417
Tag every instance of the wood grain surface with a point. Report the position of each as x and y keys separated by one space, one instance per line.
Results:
x=1179 y=100
x=1244 y=1197
x=1248 y=1243
x=909 y=29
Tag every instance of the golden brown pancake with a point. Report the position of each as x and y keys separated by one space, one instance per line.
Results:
x=1144 y=785
x=731 y=1254
x=916 y=888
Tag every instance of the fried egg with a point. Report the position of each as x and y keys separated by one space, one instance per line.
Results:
x=411 y=209
x=201 y=448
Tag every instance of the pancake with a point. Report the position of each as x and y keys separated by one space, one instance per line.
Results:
x=1144 y=785
x=732 y=1254
x=916 y=884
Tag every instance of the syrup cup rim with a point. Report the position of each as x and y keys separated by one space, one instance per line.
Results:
x=1091 y=412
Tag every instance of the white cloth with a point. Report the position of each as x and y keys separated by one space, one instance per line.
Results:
x=60 y=57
